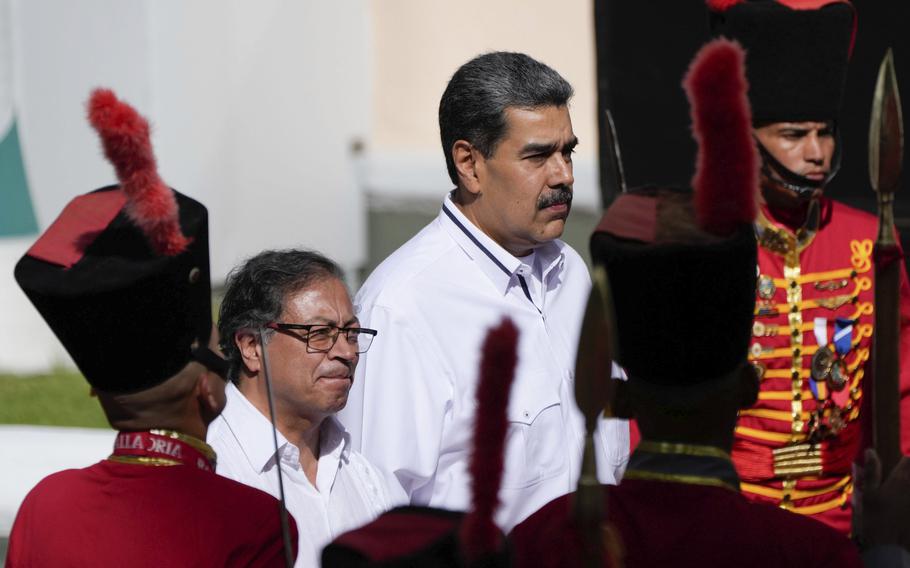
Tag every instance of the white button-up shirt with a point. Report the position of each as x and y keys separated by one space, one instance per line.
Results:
x=411 y=409
x=349 y=492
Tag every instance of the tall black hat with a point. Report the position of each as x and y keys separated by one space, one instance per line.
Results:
x=797 y=53
x=122 y=275
x=681 y=264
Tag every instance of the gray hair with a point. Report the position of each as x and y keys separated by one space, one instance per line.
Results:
x=473 y=105
x=257 y=290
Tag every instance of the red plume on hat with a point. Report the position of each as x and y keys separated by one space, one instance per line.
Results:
x=479 y=534
x=723 y=5
x=726 y=175
x=151 y=204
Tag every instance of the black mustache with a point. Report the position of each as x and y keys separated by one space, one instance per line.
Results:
x=557 y=197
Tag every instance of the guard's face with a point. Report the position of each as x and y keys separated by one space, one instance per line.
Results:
x=306 y=384
x=804 y=148
x=526 y=185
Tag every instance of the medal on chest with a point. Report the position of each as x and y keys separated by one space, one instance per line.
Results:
x=829 y=377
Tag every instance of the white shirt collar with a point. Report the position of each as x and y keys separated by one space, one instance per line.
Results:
x=500 y=266
x=253 y=432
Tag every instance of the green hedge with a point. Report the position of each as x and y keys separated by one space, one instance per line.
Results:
x=59 y=398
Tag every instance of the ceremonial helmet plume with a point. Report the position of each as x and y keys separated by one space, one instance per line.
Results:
x=681 y=263
x=122 y=275
x=125 y=137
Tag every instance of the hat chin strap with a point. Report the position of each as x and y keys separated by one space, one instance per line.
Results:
x=802 y=186
x=212 y=361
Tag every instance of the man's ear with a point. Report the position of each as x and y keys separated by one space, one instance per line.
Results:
x=210 y=394
x=466 y=158
x=247 y=343
x=748 y=386
x=622 y=400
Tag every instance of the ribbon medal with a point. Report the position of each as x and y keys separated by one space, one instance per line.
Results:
x=822 y=361
x=766 y=287
x=840 y=376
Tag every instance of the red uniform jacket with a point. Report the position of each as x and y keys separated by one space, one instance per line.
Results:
x=679 y=506
x=795 y=448
x=128 y=514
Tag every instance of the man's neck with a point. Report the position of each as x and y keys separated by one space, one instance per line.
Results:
x=305 y=434
x=301 y=431
x=792 y=218
x=468 y=209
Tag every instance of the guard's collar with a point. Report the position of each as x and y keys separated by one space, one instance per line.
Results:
x=682 y=463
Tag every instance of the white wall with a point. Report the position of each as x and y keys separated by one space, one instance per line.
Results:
x=254 y=105
x=418 y=45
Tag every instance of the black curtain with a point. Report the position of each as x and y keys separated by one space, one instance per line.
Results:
x=643 y=50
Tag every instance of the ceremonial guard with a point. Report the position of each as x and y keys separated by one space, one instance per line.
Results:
x=122 y=278
x=812 y=334
x=678 y=503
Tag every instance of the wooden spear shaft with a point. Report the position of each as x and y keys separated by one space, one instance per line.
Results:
x=885 y=155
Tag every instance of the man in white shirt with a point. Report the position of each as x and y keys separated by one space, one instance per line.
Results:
x=297 y=301
x=493 y=250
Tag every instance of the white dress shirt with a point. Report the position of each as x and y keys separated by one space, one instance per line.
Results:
x=349 y=492
x=411 y=409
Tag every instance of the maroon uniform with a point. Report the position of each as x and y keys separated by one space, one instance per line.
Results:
x=122 y=278
x=814 y=318
x=147 y=506
x=679 y=506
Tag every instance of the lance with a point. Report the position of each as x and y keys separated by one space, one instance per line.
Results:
x=885 y=154
x=282 y=503
x=593 y=394
x=613 y=156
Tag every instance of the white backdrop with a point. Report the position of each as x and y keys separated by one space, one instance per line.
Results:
x=255 y=107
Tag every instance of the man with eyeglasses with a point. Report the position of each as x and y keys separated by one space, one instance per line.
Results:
x=288 y=313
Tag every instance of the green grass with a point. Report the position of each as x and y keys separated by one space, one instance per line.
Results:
x=58 y=398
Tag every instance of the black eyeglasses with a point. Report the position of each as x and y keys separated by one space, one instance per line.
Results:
x=322 y=337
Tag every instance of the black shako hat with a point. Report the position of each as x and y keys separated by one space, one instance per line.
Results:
x=680 y=263
x=796 y=52
x=122 y=275
x=683 y=300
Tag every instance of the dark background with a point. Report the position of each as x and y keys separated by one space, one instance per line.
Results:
x=643 y=50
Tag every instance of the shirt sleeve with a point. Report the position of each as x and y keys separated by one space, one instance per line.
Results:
x=612 y=442
x=404 y=400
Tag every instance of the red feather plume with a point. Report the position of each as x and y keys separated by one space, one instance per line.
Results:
x=151 y=204
x=726 y=175
x=479 y=534
x=722 y=5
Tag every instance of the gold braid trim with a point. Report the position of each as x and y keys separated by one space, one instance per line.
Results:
x=770 y=436
x=781 y=415
x=203 y=448
x=143 y=460
x=678 y=478
x=778 y=494
x=670 y=448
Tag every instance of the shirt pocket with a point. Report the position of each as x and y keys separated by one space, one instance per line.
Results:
x=536 y=442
